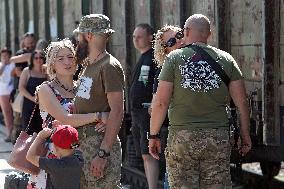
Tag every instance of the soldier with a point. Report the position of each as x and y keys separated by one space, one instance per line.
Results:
x=198 y=152
x=100 y=90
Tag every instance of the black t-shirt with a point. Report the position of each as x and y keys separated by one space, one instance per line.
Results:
x=63 y=173
x=141 y=89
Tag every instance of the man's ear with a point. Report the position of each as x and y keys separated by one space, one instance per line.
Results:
x=186 y=31
x=151 y=38
x=209 y=34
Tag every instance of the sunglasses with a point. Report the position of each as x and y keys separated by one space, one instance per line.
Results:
x=172 y=41
x=38 y=57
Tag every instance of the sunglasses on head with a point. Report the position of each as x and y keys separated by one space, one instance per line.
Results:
x=172 y=41
x=29 y=34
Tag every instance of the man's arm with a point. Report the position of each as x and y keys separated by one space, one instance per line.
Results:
x=238 y=94
x=160 y=106
x=21 y=58
x=115 y=100
x=159 y=112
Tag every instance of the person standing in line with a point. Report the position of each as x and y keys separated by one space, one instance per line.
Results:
x=28 y=46
x=101 y=85
x=21 y=60
x=167 y=39
x=198 y=151
x=31 y=77
x=6 y=87
x=141 y=92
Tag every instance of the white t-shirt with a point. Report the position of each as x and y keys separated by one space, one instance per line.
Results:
x=6 y=80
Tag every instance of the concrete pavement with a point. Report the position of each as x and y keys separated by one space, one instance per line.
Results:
x=5 y=150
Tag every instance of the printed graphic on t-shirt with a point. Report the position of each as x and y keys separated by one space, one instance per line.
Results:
x=144 y=74
x=84 y=89
x=198 y=75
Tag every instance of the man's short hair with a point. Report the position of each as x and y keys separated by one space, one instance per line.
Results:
x=200 y=22
x=6 y=50
x=147 y=27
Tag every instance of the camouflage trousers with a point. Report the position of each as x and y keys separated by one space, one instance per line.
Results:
x=199 y=159
x=89 y=146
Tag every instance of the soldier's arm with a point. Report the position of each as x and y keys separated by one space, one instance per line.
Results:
x=238 y=94
x=115 y=100
x=160 y=106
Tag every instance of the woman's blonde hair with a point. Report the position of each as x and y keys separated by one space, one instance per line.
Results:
x=52 y=51
x=158 y=44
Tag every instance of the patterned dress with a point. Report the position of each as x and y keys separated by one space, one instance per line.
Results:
x=39 y=181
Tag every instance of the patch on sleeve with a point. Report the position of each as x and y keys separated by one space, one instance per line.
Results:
x=84 y=89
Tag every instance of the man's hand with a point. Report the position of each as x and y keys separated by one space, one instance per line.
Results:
x=155 y=148
x=45 y=133
x=97 y=166
x=245 y=145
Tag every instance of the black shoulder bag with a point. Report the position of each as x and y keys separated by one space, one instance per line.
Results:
x=225 y=78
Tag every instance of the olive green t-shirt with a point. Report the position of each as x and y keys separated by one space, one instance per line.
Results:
x=95 y=82
x=199 y=95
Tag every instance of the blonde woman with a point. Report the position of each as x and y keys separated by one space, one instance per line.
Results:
x=55 y=98
x=167 y=39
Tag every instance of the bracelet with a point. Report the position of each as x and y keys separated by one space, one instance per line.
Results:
x=156 y=136
x=98 y=116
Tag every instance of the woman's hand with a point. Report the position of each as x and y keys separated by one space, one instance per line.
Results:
x=104 y=117
x=55 y=123
x=101 y=125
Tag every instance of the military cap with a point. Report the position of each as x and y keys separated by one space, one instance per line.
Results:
x=94 y=23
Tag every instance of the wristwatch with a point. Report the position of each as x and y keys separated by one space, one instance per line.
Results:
x=103 y=154
x=156 y=136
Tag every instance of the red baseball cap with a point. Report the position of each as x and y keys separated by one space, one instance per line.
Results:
x=65 y=136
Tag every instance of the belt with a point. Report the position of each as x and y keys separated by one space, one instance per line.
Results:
x=87 y=131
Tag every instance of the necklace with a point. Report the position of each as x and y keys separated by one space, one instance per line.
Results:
x=73 y=90
x=98 y=56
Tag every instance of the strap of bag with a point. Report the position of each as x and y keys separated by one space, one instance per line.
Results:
x=35 y=106
x=216 y=67
x=225 y=78
x=33 y=112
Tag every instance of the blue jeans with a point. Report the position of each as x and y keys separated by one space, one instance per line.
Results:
x=166 y=182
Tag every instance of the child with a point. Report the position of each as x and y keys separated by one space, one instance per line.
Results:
x=64 y=172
